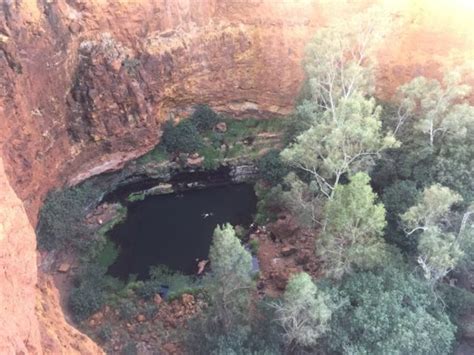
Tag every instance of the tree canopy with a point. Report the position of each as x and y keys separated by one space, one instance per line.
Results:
x=353 y=233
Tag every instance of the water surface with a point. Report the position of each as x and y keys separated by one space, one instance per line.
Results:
x=176 y=229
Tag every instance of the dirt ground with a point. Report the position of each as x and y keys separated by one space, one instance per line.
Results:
x=284 y=250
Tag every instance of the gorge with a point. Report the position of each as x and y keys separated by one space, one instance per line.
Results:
x=85 y=87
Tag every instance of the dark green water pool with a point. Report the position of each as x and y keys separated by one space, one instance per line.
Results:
x=176 y=229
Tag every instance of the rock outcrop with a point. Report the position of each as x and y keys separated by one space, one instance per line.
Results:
x=85 y=86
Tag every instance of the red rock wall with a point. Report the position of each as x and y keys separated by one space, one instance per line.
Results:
x=70 y=109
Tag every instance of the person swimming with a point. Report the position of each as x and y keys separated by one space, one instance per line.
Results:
x=205 y=215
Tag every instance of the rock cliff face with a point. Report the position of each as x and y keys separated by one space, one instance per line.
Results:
x=85 y=85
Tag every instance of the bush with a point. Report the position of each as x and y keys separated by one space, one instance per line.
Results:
x=269 y=203
x=204 y=118
x=184 y=137
x=397 y=199
x=459 y=301
x=61 y=217
x=128 y=310
x=271 y=167
x=129 y=349
x=150 y=310
x=149 y=289
x=105 y=332
x=254 y=246
x=389 y=312
x=212 y=157
x=85 y=300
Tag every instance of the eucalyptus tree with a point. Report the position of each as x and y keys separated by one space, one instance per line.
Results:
x=340 y=142
x=341 y=57
x=436 y=108
x=303 y=313
x=353 y=237
x=442 y=242
x=231 y=279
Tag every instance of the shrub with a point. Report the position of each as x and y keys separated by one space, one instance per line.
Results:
x=269 y=203
x=389 y=312
x=459 y=301
x=397 y=198
x=212 y=157
x=85 y=300
x=149 y=289
x=204 y=118
x=129 y=349
x=254 y=246
x=61 y=217
x=127 y=310
x=184 y=137
x=150 y=310
x=271 y=167
x=105 y=332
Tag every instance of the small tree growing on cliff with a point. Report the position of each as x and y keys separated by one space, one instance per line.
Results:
x=304 y=312
x=339 y=142
x=440 y=247
x=435 y=107
x=341 y=57
x=353 y=234
x=204 y=118
x=184 y=137
x=231 y=279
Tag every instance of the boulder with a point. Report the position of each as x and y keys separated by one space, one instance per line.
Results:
x=221 y=127
x=280 y=279
x=303 y=257
x=64 y=268
x=141 y=318
x=187 y=300
x=288 y=251
x=284 y=228
x=194 y=162
x=157 y=299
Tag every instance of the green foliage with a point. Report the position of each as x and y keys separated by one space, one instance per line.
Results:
x=91 y=290
x=184 y=137
x=149 y=289
x=212 y=157
x=271 y=168
x=204 y=118
x=302 y=200
x=105 y=332
x=136 y=196
x=226 y=326
x=268 y=204
x=176 y=282
x=433 y=206
x=257 y=335
x=339 y=141
x=439 y=250
x=129 y=349
x=459 y=302
x=434 y=107
x=254 y=246
x=127 y=310
x=304 y=312
x=397 y=198
x=157 y=154
x=340 y=58
x=390 y=312
x=353 y=233
x=231 y=280
x=61 y=217
x=108 y=254
x=85 y=300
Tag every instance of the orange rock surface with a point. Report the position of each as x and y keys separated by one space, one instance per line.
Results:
x=86 y=84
